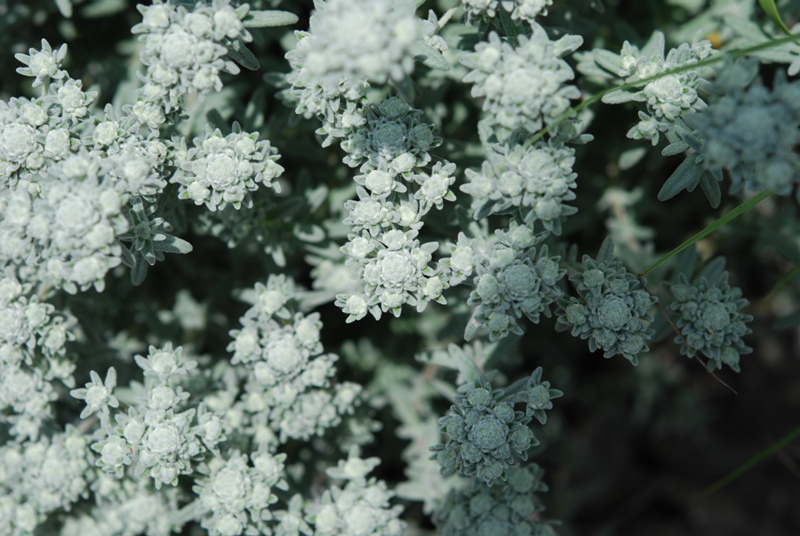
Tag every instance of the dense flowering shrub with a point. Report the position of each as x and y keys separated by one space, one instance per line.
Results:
x=433 y=199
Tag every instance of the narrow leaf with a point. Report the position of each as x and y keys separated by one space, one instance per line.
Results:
x=430 y=56
x=685 y=177
x=242 y=55
x=741 y=209
x=771 y=10
x=172 y=244
x=711 y=188
x=262 y=19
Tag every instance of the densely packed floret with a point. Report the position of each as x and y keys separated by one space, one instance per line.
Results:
x=710 y=321
x=288 y=390
x=536 y=181
x=509 y=508
x=486 y=436
x=221 y=170
x=511 y=275
x=184 y=51
x=522 y=87
x=612 y=310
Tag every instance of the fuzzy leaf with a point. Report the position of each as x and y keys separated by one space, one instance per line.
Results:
x=262 y=19
x=685 y=177
x=710 y=187
x=172 y=244
x=430 y=56
x=242 y=55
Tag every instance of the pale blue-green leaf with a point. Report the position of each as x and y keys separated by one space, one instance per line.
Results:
x=711 y=188
x=65 y=8
x=685 y=177
x=103 y=8
x=172 y=244
x=606 y=252
x=405 y=87
x=631 y=157
x=309 y=233
x=242 y=55
x=712 y=269
x=429 y=56
x=618 y=96
x=262 y=19
x=139 y=271
x=127 y=257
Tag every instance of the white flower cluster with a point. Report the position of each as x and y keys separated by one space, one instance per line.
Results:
x=32 y=357
x=512 y=278
x=119 y=510
x=235 y=497
x=349 y=44
x=537 y=181
x=522 y=87
x=184 y=52
x=394 y=193
x=288 y=393
x=668 y=97
x=68 y=176
x=39 y=478
x=360 y=508
x=157 y=436
x=750 y=130
x=221 y=170
x=526 y=10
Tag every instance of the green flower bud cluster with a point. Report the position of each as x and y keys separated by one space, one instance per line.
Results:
x=612 y=309
x=508 y=509
x=487 y=437
x=710 y=320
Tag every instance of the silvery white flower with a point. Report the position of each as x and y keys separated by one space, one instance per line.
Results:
x=522 y=87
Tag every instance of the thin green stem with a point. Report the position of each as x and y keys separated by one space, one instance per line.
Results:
x=738 y=53
x=744 y=207
x=752 y=462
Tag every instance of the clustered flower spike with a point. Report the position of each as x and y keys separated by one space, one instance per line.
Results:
x=507 y=509
x=486 y=436
x=668 y=97
x=349 y=44
x=750 y=130
x=289 y=389
x=612 y=309
x=221 y=170
x=159 y=435
x=538 y=181
x=512 y=278
x=360 y=508
x=522 y=87
x=184 y=51
x=391 y=267
x=32 y=358
x=235 y=497
x=710 y=321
